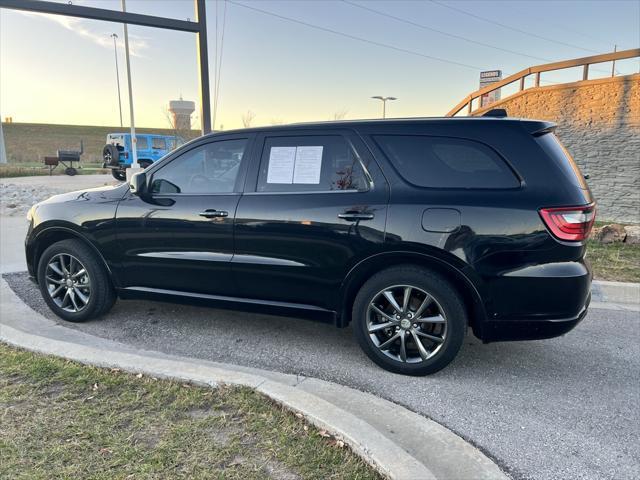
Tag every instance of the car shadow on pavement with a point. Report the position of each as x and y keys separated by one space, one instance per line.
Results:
x=290 y=345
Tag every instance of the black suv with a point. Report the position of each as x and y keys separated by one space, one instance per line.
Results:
x=410 y=230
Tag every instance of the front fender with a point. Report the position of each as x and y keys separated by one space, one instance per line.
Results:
x=88 y=216
x=44 y=236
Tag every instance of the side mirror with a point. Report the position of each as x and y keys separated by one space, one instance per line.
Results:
x=138 y=183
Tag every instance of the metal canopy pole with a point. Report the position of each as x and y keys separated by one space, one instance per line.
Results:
x=203 y=67
x=115 y=51
x=134 y=144
x=92 y=13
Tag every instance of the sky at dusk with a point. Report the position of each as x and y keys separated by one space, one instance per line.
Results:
x=57 y=69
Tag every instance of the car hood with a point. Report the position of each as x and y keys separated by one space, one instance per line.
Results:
x=99 y=194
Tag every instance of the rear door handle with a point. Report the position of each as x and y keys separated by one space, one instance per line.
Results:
x=355 y=216
x=214 y=214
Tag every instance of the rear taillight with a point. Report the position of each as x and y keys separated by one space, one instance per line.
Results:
x=571 y=224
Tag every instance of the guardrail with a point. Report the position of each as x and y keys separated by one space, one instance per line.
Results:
x=583 y=62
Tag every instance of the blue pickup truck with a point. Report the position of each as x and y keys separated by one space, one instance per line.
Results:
x=117 y=152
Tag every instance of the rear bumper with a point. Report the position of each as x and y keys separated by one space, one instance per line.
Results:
x=536 y=302
x=509 y=330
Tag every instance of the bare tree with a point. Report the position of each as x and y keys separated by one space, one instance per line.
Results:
x=247 y=118
x=340 y=114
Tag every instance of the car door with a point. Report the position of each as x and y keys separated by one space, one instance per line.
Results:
x=179 y=235
x=315 y=204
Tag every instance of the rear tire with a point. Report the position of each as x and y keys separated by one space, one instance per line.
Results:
x=388 y=326
x=74 y=282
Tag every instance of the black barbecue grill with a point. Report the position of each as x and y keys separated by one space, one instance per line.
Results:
x=66 y=158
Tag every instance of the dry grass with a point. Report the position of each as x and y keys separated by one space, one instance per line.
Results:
x=614 y=261
x=60 y=419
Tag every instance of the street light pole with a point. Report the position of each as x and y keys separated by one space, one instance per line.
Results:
x=115 y=51
x=384 y=103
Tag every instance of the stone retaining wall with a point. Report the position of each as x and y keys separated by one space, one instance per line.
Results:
x=599 y=123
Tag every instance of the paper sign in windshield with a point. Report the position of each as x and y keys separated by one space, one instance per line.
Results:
x=281 y=163
x=295 y=165
x=308 y=165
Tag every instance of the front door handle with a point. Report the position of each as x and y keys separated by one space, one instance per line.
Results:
x=355 y=216
x=214 y=214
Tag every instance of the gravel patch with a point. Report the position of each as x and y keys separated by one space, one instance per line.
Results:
x=18 y=199
x=18 y=194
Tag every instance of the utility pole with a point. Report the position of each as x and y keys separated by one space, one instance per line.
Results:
x=135 y=166
x=384 y=103
x=115 y=51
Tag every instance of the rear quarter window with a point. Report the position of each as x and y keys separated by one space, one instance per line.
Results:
x=552 y=147
x=442 y=162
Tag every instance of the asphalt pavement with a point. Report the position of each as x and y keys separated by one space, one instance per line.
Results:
x=561 y=408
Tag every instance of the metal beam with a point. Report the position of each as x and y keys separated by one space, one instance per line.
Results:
x=199 y=27
x=100 y=14
x=203 y=67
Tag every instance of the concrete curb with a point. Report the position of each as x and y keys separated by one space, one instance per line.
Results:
x=384 y=434
x=620 y=293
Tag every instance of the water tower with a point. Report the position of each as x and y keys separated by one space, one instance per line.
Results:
x=181 y=111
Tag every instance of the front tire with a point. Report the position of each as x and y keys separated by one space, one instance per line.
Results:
x=409 y=320
x=120 y=175
x=74 y=282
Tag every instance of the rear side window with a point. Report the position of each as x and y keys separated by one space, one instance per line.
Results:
x=441 y=162
x=158 y=143
x=311 y=163
x=552 y=147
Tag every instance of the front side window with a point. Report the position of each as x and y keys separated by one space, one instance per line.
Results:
x=442 y=162
x=310 y=164
x=207 y=169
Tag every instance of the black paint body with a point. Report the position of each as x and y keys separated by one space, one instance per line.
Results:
x=289 y=253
